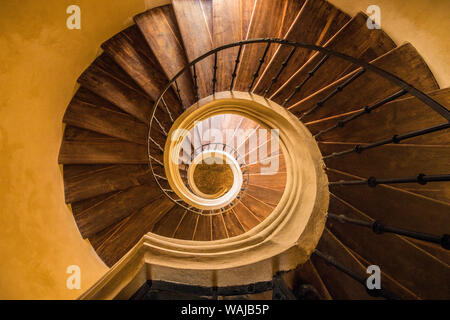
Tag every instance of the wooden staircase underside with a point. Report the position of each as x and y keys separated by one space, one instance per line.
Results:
x=115 y=199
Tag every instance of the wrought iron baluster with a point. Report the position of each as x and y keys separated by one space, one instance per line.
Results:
x=214 y=80
x=195 y=82
x=338 y=89
x=309 y=76
x=373 y=182
x=236 y=64
x=372 y=292
x=395 y=139
x=178 y=92
x=261 y=62
x=366 y=110
x=379 y=228
x=283 y=66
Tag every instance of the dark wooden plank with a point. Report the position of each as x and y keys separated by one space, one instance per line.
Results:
x=107 y=80
x=138 y=224
x=77 y=170
x=115 y=208
x=267 y=195
x=270 y=19
x=234 y=227
x=246 y=218
x=193 y=17
x=274 y=181
x=415 y=269
x=230 y=24
x=105 y=121
x=219 y=230
x=340 y=285
x=101 y=237
x=106 y=152
x=203 y=231
x=404 y=62
x=132 y=53
x=317 y=22
x=397 y=117
x=187 y=226
x=248 y=8
x=168 y=224
x=391 y=161
x=161 y=32
x=389 y=283
x=268 y=165
x=260 y=209
x=86 y=96
x=354 y=39
x=307 y=274
x=394 y=206
x=109 y=179
x=83 y=205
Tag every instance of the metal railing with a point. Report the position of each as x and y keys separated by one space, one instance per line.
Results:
x=405 y=88
x=362 y=68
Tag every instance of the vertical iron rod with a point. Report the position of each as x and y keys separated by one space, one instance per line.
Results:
x=236 y=64
x=261 y=62
x=309 y=76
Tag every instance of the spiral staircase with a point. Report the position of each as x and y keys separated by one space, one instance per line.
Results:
x=362 y=142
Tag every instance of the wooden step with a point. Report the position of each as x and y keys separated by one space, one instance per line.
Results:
x=160 y=30
x=113 y=209
x=230 y=24
x=259 y=209
x=418 y=271
x=264 y=194
x=85 y=147
x=270 y=19
x=101 y=237
x=355 y=40
x=339 y=284
x=397 y=117
x=105 y=121
x=109 y=179
x=186 y=228
x=268 y=165
x=86 y=96
x=308 y=274
x=404 y=62
x=219 y=230
x=194 y=19
x=246 y=218
x=203 y=229
x=317 y=22
x=138 y=224
x=104 y=78
x=396 y=160
x=132 y=53
x=393 y=206
x=388 y=282
x=72 y=171
x=167 y=225
x=232 y=223
x=274 y=181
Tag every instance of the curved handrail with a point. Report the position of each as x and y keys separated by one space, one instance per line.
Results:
x=406 y=87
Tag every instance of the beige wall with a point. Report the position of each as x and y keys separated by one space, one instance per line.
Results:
x=40 y=60
x=423 y=23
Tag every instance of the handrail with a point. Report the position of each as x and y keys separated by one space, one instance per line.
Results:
x=406 y=88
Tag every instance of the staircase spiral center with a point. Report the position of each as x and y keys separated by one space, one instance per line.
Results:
x=213 y=177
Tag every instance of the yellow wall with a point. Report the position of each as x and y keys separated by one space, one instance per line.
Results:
x=424 y=23
x=40 y=60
